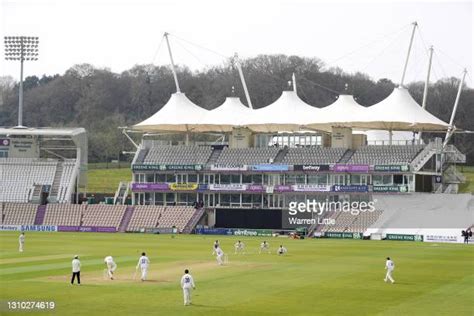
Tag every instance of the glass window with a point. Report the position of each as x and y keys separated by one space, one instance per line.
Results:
x=150 y=177
x=225 y=178
x=247 y=198
x=246 y=178
x=158 y=198
x=169 y=198
x=257 y=178
x=398 y=179
x=170 y=178
x=235 y=178
x=235 y=199
x=160 y=177
x=300 y=179
x=387 y=179
x=377 y=179
x=355 y=179
x=225 y=199
x=192 y=178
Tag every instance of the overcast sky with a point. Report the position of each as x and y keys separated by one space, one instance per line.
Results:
x=367 y=36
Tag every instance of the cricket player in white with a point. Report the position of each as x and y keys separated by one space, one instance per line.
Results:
x=216 y=244
x=239 y=247
x=389 y=266
x=21 y=240
x=111 y=266
x=282 y=250
x=264 y=246
x=187 y=283
x=219 y=254
x=76 y=270
x=143 y=263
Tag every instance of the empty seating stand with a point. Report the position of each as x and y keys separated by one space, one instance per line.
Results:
x=18 y=213
x=103 y=215
x=18 y=176
x=313 y=155
x=346 y=222
x=247 y=156
x=145 y=216
x=64 y=214
x=385 y=154
x=178 y=155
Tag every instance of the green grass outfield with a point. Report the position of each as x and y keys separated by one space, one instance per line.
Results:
x=316 y=277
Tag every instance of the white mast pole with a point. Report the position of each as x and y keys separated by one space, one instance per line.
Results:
x=172 y=63
x=427 y=82
x=453 y=114
x=408 y=54
x=294 y=83
x=241 y=74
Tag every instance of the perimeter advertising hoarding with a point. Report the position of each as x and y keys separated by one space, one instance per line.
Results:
x=390 y=188
x=392 y=168
x=404 y=237
x=183 y=186
x=269 y=168
x=311 y=168
x=351 y=168
x=351 y=188
x=227 y=187
x=311 y=188
x=150 y=187
x=343 y=235
x=167 y=167
x=229 y=167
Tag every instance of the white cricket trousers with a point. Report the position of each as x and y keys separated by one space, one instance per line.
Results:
x=388 y=276
x=187 y=295
x=219 y=259
x=21 y=247
x=111 y=268
x=144 y=272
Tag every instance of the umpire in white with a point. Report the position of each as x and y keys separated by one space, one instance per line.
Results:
x=76 y=270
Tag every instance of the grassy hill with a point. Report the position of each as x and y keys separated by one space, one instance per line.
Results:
x=107 y=180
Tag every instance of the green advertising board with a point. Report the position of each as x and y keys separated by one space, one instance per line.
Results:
x=167 y=167
x=392 y=168
x=404 y=237
x=344 y=235
x=253 y=232
x=390 y=188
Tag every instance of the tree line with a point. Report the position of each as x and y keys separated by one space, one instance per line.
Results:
x=101 y=100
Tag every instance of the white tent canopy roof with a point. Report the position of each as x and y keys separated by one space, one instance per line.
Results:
x=398 y=112
x=179 y=114
x=229 y=114
x=342 y=113
x=288 y=113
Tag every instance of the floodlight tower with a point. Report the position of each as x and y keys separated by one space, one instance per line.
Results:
x=21 y=48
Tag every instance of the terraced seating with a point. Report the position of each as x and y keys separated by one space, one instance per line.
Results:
x=178 y=155
x=313 y=155
x=247 y=156
x=385 y=155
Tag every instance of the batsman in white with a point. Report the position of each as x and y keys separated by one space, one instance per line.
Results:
x=219 y=255
x=111 y=266
x=143 y=263
x=239 y=247
x=389 y=266
x=216 y=244
x=21 y=241
x=264 y=246
x=281 y=250
x=187 y=283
